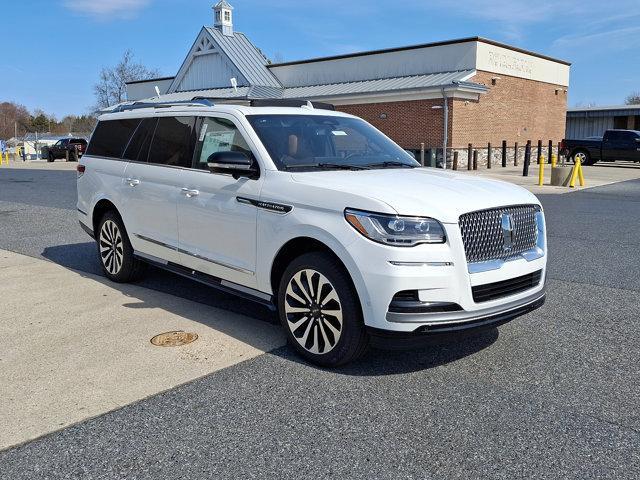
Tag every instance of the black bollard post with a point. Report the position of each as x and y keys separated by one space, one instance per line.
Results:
x=475 y=159
x=527 y=159
x=515 y=155
x=469 y=156
x=489 y=155
x=504 y=153
x=539 y=150
x=455 y=160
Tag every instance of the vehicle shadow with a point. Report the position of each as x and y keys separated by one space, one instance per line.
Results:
x=228 y=314
x=378 y=362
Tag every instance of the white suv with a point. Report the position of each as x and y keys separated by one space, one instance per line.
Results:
x=312 y=212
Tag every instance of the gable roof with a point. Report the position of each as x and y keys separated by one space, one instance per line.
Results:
x=246 y=57
x=242 y=57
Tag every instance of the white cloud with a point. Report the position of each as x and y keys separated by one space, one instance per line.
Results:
x=107 y=9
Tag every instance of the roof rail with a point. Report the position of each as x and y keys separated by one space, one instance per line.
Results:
x=138 y=105
x=269 y=102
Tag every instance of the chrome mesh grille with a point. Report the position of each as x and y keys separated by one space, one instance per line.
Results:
x=483 y=236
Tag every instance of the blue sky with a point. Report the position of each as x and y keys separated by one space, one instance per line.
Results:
x=52 y=51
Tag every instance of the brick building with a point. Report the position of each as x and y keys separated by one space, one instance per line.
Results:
x=483 y=91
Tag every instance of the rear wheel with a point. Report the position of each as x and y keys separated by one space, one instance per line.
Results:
x=115 y=250
x=320 y=311
x=50 y=158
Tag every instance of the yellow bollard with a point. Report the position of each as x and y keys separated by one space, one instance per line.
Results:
x=541 y=171
x=554 y=160
x=577 y=174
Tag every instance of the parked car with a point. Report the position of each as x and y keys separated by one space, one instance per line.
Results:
x=75 y=147
x=614 y=145
x=315 y=214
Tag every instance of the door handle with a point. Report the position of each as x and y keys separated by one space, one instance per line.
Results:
x=132 y=182
x=190 y=193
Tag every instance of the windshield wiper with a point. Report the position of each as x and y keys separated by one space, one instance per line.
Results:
x=391 y=164
x=328 y=166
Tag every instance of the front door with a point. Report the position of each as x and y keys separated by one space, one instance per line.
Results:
x=217 y=232
x=157 y=155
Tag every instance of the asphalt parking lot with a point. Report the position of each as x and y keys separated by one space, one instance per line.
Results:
x=553 y=394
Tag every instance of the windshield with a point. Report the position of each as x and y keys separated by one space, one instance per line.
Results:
x=309 y=142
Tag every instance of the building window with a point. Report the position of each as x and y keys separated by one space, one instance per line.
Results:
x=227 y=16
x=218 y=16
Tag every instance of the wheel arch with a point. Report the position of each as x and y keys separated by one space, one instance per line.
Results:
x=100 y=208
x=299 y=245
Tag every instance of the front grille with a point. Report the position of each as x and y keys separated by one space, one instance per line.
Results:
x=493 y=291
x=484 y=238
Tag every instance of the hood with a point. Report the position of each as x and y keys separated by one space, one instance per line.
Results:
x=421 y=191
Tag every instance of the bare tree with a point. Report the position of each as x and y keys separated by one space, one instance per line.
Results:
x=633 y=99
x=111 y=89
x=14 y=118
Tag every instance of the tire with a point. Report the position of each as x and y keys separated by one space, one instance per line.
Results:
x=115 y=250
x=583 y=155
x=50 y=158
x=329 y=332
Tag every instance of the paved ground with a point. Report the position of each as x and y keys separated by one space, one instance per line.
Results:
x=554 y=394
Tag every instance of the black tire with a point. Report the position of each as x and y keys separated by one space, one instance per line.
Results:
x=319 y=326
x=586 y=157
x=50 y=158
x=115 y=251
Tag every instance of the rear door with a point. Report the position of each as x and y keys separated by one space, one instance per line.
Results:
x=216 y=221
x=157 y=154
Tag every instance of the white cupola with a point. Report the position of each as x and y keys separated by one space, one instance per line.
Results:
x=223 y=17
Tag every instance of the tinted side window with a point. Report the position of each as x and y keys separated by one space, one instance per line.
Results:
x=111 y=137
x=173 y=142
x=138 y=148
x=219 y=135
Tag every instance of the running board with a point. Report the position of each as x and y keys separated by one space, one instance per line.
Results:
x=209 y=280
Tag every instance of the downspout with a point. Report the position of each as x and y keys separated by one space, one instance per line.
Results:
x=445 y=136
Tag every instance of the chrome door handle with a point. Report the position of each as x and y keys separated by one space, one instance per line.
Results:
x=132 y=182
x=190 y=193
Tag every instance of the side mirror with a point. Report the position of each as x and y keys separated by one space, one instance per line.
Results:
x=237 y=164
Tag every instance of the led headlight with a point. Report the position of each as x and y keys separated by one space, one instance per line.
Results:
x=394 y=229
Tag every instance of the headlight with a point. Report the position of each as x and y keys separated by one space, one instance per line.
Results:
x=394 y=229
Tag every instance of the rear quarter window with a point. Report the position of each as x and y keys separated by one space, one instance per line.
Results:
x=111 y=137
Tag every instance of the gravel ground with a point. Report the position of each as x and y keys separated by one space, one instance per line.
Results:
x=553 y=394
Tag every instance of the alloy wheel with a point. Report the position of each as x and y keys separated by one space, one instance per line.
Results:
x=111 y=248
x=313 y=311
x=580 y=156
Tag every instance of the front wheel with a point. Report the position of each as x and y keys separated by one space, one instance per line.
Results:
x=320 y=311
x=50 y=158
x=584 y=157
x=115 y=250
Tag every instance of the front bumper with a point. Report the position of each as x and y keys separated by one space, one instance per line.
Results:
x=445 y=332
x=440 y=275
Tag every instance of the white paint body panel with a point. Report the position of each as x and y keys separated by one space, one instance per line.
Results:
x=248 y=239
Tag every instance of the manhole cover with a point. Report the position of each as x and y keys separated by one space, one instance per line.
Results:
x=174 y=339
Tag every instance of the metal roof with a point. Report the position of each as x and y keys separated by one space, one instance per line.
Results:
x=455 y=79
x=246 y=57
x=413 y=82
x=608 y=111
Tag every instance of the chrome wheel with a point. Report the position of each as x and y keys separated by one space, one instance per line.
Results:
x=313 y=311
x=580 y=156
x=111 y=248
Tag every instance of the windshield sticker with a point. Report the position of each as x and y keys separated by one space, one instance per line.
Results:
x=339 y=133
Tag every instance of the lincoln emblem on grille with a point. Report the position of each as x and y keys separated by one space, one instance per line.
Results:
x=507 y=231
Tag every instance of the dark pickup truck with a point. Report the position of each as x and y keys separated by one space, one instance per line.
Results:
x=614 y=145
x=75 y=146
